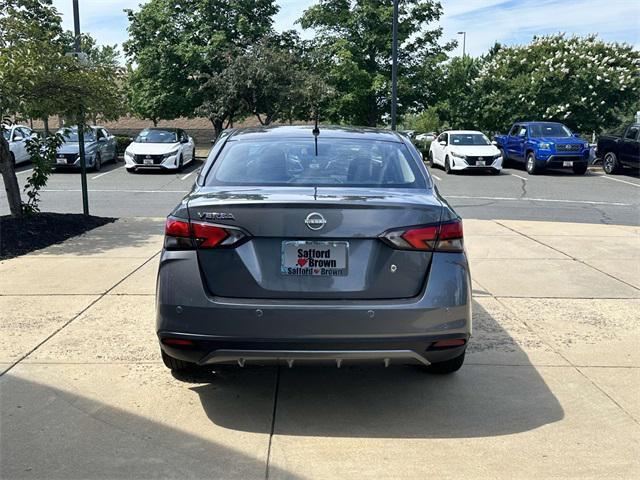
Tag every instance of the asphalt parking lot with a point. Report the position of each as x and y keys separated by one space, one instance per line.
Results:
x=514 y=195
x=549 y=389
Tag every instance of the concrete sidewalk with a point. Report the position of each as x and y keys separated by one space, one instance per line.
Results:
x=550 y=388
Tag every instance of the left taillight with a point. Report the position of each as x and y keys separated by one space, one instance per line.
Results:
x=184 y=235
x=445 y=237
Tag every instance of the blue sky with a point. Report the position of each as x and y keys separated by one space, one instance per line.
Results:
x=485 y=21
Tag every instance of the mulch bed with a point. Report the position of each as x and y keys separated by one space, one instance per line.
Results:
x=24 y=235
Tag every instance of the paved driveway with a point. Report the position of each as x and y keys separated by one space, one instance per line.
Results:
x=550 y=388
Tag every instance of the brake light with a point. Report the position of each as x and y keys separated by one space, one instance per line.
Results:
x=185 y=235
x=446 y=237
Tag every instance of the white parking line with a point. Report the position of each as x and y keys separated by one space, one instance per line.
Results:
x=618 y=180
x=514 y=199
x=24 y=171
x=514 y=175
x=436 y=177
x=187 y=175
x=53 y=190
x=104 y=173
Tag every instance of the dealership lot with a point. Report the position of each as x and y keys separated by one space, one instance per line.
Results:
x=550 y=387
x=556 y=196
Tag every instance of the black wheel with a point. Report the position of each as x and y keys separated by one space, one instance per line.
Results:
x=131 y=170
x=446 y=367
x=495 y=171
x=580 y=168
x=177 y=365
x=532 y=165
x=610 y=163
x=193 y=155
x=180 y=163
x=431 y=159
x=505 y=159
x=447 y=166
x=97 y=163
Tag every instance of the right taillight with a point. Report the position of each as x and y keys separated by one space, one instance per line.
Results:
x=184 y=235
x=446 y=237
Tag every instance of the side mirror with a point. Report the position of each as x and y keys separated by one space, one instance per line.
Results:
x=443 y=143
x=493 y=142
x=18 y=138
x=184 y=140
x=576 y=135
x=34 y=135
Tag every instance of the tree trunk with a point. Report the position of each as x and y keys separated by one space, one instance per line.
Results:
x=45 y=121
x=7 y=168
x=218 y=126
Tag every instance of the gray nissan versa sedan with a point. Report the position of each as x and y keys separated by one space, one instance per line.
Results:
x=302 y=244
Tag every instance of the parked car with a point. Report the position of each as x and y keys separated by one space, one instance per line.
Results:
x=457 y=150
x=620 y=149
x=160 y=148
x=99 y=148
x=541 y=145
x=426 y=137
x=299 y=247
x=17 y=136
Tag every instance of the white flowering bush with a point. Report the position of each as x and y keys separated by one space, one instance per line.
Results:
x=584 y=82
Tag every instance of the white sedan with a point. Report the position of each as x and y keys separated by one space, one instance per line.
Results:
x=17 y=136
x=457 y=150
x=160 y=148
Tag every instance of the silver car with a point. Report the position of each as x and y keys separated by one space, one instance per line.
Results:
x=305 y=245
x=100 y=147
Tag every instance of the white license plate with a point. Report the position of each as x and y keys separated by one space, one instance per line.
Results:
x=567 y=164
x=148 y=161
x=480 y=163
x=61 y=160
x=328 y=259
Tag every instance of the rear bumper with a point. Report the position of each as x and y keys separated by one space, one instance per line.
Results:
x=208 y=350
x=227 y=329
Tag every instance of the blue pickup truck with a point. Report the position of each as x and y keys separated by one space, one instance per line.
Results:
x=541 y=145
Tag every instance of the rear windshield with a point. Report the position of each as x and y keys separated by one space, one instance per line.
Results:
x=157 y=136
x=347 y=162
x=549 y=130
x=469 y=139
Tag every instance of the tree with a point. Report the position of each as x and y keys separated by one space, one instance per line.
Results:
x=180 y=49
x=38 y=79
x=354 y=41
x=457 y=103
x=581 y=81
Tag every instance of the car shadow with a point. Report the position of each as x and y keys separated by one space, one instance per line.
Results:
x=55 y=433
x=400 y=401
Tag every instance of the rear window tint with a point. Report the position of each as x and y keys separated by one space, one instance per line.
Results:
x=294 y=162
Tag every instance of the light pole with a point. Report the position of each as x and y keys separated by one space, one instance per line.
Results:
x=394 y=66
x=83 y=164
x=464 y=41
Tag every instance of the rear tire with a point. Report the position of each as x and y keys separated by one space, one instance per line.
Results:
x=580 y=169
x=176 y=365
x=495 y=171
x=532 y=165
x=446 y=367
x=610 y=163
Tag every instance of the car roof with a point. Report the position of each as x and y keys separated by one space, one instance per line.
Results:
x=306 y=131
x=540 y=123
x=464 y=131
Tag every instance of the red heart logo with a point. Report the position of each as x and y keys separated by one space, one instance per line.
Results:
x=302 y=262
x=316 y=270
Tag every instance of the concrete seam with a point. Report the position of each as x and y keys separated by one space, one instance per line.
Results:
x=569 y=256
x=55 y=332
x=273 y=423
